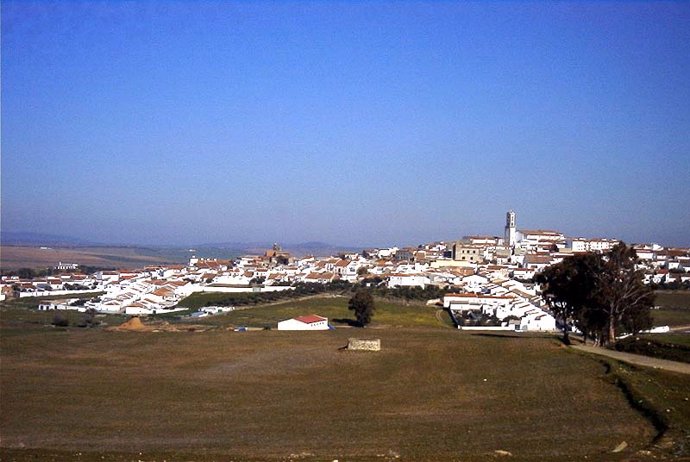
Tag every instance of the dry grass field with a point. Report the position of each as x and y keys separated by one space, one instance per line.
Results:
x=14 y=257
x=431 y=394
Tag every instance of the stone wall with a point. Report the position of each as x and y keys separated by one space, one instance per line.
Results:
x=359 y=344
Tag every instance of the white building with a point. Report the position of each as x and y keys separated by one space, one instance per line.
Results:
x=580 y=244
x=310 y=322
x=474 y=283
x=538 y=321
x=408 y=280
x=488 y=241
x=475 y=302
x=530 y=239
x=49 y=305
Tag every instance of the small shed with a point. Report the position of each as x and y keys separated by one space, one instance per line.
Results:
x=310 y=322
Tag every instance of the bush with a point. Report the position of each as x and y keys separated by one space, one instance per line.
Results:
x=59 y=320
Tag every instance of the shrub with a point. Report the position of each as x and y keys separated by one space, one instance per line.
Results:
x=59 y=320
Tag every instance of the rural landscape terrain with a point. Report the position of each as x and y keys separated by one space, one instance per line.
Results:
x=20 y=255
x=344 y=231
x=15 y=257
x=182 y=389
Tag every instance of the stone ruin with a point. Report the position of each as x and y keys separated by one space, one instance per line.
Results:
x=358 y=344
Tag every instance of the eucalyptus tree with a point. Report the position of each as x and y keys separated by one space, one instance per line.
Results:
x=600 y=294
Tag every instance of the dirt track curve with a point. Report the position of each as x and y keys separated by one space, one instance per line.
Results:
x=638 y=360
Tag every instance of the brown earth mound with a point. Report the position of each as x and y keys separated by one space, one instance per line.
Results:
x=133 y=324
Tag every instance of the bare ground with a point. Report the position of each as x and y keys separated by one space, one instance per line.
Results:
x=431 y=394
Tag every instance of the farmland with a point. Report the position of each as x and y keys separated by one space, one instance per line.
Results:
x=674 y=308
x=431 y=393
x=14 y=257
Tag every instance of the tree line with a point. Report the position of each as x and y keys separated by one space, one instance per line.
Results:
x=602 y=295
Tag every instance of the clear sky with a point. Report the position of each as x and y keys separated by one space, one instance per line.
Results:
x=362 y=123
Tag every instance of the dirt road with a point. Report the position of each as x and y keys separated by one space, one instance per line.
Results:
x=639 y=360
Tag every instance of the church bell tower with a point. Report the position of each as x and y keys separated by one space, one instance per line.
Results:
x=510 y=229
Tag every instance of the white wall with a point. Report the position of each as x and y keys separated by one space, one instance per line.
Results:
x=51 y=293
x=293 y=324
x=199 y=288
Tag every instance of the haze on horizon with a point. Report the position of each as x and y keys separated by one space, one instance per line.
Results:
x=353 y=123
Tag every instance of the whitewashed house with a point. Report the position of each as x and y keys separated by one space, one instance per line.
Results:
x=476 y=302
x=138 y=308
x=408 y=280
x=310 y=322
x=474 y=283
x=319 y=278
x=539 y=321
x=49 y=305
x=524 y=274
x=108 y=306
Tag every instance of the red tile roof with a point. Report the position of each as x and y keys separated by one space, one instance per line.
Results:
x=310 y=319
x=163 y=292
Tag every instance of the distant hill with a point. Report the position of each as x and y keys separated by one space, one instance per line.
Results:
x=25 y=238
x=319 y=249
x=22 y=249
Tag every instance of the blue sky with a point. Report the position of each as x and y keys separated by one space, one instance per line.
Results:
x=362 y=123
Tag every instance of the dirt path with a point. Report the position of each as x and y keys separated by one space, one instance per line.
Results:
x=639 y=360
x=438 y=314
x=679 y=328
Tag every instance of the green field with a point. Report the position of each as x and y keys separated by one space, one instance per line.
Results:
x=671 y=338
x=432 y=393
x=673 y=298
x=32 y=302
x=335 y=309
x=671 y=346
x=675 y=308
x=201 y=299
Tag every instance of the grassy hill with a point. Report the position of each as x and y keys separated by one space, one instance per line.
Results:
x=334 y=308
x=432 y=393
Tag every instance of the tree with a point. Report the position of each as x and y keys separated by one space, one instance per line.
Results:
x=26 y=273
x=568 y=288
x=599 y=293
x=623 y=296
x=362 y=303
